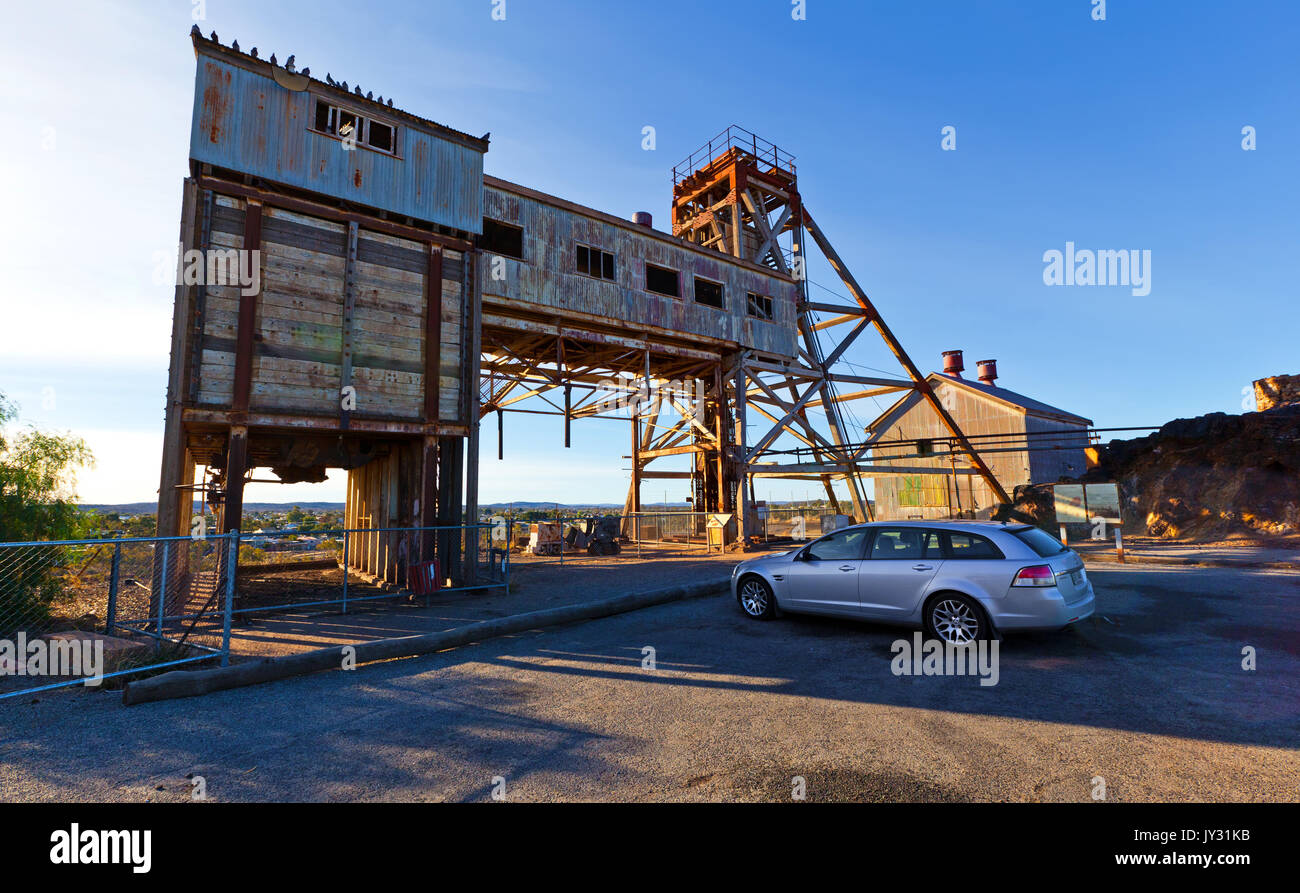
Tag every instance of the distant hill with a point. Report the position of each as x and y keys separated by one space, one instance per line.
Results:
x=149 y=508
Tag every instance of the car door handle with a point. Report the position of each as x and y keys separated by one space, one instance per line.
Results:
x=922 y=567
x=847 y=567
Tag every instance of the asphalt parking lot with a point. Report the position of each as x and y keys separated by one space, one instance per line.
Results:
x=1150 y=696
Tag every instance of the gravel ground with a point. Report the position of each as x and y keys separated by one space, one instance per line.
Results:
x=1150 y=696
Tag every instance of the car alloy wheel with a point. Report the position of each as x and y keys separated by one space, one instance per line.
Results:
x=955 y=620
x=756 y=598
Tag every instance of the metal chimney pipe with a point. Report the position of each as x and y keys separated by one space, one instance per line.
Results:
x=988 y=371
x=952 y=363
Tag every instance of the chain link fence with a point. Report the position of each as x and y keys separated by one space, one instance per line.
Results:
x=103 y=609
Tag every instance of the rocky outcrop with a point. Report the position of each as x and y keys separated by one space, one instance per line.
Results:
x=1280 y=390
x=1211 y=476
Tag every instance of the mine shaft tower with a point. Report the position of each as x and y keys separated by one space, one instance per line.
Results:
x=726 y=308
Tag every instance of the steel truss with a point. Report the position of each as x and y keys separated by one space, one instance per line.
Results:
x=740 y=403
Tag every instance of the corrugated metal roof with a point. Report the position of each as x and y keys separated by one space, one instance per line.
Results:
x=1029 y=404
x=1011 y=398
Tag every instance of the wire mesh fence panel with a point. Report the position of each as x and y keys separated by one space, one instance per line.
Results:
x=348 y=570
x=794 y=524
x=154 y=603
x=96 y=608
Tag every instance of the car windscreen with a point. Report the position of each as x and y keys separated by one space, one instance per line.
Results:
x=1040 y=541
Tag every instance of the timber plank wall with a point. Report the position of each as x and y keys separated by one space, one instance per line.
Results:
x=302 y=322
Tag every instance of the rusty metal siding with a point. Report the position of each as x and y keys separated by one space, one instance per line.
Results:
x=245 y=121
x=547 y=278
x=1049 y=466
x=977 y=415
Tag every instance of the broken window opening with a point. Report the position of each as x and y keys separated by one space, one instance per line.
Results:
x=663 y=281
x=759 y=306
x=708 y=293
x=502 y=238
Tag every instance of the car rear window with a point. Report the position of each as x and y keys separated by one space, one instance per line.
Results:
x=968 y=545
x=1040 y=541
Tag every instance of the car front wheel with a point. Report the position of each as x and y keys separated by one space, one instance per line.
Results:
x=756 y=598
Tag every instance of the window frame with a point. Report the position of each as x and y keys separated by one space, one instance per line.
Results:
x=750 y=302
x=522 y=256
x=677 y=274
x=722 y=293
x=336 y=110
x=577 y=245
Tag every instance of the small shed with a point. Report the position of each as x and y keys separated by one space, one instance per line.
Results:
x=1023 y=441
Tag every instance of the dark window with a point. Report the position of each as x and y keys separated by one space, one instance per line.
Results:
x=967 y=545
x=843 y=545
x=323 y=117
x=662 y=281
x=759 y=306
x=594 y=262
x=381 y=136
x=502 y=238
x=906 y=542
x=1040 y=541
x=708 y=293
x=924 y=446
x=348 y=124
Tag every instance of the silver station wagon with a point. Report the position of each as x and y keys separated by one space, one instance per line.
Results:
x=960 y=580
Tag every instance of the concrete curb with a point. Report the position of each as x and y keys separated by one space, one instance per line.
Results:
x=1131 y=558
x=184 y=684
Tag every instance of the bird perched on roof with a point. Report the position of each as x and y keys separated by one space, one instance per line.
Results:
x=306 y=72
x=358 y=90
x=214 y=37
x=370 y=95
x=390 y=103
x=329 y=79
x=253 y=52
x=289 y=63
x=234 y=45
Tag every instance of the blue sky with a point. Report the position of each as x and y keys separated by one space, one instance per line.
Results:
x=1115 y=134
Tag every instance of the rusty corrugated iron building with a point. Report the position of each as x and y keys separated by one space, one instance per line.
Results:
x=1024 y=440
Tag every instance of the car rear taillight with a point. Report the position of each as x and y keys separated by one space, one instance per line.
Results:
x=1038 y=575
